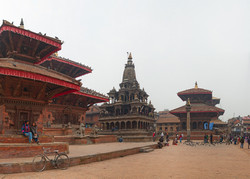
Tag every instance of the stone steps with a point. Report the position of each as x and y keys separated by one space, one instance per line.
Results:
x=146 y=149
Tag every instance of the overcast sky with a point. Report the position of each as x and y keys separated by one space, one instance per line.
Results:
x=173 y=43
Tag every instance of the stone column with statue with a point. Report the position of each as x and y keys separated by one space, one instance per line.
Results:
x=188 y=109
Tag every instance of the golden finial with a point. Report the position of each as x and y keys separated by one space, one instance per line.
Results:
x=130 y=56
x=188 y=102
x=196 y=85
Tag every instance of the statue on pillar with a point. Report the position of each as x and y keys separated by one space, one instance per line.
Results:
x=188 y=109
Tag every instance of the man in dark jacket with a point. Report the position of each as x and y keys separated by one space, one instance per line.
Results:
x=242 y=142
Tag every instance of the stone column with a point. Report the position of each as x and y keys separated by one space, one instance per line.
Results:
x=188 y=109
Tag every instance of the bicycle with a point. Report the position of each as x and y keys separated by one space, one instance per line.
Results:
x=60 y=160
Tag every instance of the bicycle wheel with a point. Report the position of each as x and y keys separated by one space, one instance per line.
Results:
x=62 y=161
x=39 y=163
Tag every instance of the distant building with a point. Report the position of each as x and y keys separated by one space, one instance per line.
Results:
x=246 y=125
x=92 y=116
x=167 y=122
x=203 y=110
x=240 y=125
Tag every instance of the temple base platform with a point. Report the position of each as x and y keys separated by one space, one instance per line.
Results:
x=77 y=140
x=130 y=135
x=19 y=150
x=13 y=138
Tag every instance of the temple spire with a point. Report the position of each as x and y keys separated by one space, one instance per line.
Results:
x=196 y=85
x=21 y=24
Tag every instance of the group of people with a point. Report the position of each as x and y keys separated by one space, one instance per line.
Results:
x=161 y=139
x=241 y=140
x=206 y=138
x=30 y=132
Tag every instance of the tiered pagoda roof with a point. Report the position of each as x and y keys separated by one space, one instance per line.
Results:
x=193 y=93
x=199 y=108
x=201 y=100
x=30 y=55
x=92 y=94
x=25 y=45
x=65 y=66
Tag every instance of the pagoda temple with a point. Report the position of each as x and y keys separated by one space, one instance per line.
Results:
x=128 y=112
x=202 y=112
x=37 y=86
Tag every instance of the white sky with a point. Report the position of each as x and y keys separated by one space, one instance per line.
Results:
x=173 y=43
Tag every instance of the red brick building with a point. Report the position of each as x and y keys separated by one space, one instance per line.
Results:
x=92 y=116
x=37 y=86
x=167 y=122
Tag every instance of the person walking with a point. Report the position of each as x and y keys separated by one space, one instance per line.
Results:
x=26 y=131
x=242 y=142
x=180 y=138
x=167 y=137
x=211 y=138
x=235 y=140
x=248 y=141
x=205 y=138
x=154 y=136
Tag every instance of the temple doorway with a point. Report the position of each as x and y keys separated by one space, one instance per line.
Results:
x=23 y=116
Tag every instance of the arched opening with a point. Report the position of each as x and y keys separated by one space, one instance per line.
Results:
x=194 y=125
x=117 y=127
x=184 y=127
x=128 y=125
x=112 y=125
x=134 y=125
x=171 y=129
x=122 y=125
x=107 y=126
x=205 y=125
x=199 y=125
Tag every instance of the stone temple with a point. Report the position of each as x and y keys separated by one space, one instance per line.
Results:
x=128 y=113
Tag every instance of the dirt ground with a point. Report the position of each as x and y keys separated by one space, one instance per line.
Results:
x=182 y=161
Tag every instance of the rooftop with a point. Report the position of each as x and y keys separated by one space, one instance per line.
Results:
x=167 y=118
x=198 y=108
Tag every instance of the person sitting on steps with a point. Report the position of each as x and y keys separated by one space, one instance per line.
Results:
x=160 y=143
x=33 y=130
x=26 y=131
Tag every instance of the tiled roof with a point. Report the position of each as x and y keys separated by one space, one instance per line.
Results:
x=246 y=121
x=76 y=63
x=10 y=63
x=6 y=23
x=218 y=121
x=93 y=93
x=236 y=121
x=168 y=118
x=198 y=108
x=246 y=118
x=194 y=91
